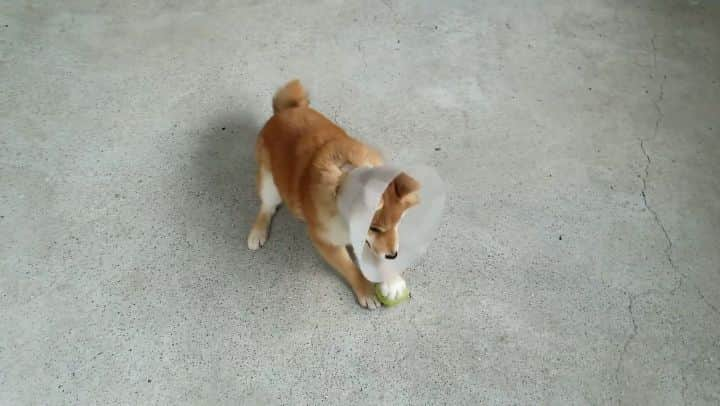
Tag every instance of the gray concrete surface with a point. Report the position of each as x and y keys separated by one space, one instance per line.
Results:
x=578 y=261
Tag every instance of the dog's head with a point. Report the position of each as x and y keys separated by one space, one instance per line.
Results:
x=400 y=195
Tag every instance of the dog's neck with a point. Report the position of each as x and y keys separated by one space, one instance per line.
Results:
x=346 y=167
x=344 y=170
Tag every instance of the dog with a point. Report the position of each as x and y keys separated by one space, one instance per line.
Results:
x=303 y=158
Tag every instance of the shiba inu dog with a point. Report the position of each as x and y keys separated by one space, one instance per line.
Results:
x=302 y=159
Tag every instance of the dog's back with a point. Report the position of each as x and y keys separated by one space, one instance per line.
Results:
x=304 y=151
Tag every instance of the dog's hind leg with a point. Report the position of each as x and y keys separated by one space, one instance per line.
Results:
x=269 y=201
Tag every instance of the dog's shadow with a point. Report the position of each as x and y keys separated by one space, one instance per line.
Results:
x=224 y=163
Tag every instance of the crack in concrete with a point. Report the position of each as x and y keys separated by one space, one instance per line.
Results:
x=630 y=338
x=648 y=163
x=643 y=193
x=710 y=305
x=654 y=49
x=669 y=244
x=646 y=173
x=668 y=241
x=361 y=50
x=683 y=390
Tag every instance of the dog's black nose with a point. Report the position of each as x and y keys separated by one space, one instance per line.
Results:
x=391 y=255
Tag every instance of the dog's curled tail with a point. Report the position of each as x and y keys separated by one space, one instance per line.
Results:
x=291 y=95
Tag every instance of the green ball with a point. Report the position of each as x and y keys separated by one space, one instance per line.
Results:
x=405 y=295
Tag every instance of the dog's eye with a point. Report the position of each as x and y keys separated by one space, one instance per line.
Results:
x=375 y=229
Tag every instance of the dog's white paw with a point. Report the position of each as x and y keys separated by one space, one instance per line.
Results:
x=256 y=239
x=393 y=288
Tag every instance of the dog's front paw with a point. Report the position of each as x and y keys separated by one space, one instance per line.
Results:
x=256 y=239
x=393 y=288
x=366 y=297
x=370 y=302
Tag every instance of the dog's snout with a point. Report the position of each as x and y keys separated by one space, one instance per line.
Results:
x=391 y=255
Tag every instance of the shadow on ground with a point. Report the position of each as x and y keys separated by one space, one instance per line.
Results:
x=224 y=164
x=223 y=168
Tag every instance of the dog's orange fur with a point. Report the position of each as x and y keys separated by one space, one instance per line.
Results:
x=302 y=160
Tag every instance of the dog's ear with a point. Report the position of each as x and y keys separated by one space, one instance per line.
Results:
x=406 y=188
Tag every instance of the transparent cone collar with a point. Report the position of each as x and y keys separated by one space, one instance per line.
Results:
x=358 y=199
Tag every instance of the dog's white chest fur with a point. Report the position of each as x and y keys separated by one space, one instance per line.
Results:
x=336 y=231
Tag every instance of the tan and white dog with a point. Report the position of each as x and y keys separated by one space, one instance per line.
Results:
x=302 y=160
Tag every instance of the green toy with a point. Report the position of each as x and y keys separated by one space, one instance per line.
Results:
x=405 y=295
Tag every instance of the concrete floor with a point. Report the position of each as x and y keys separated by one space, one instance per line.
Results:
x=578 y=261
